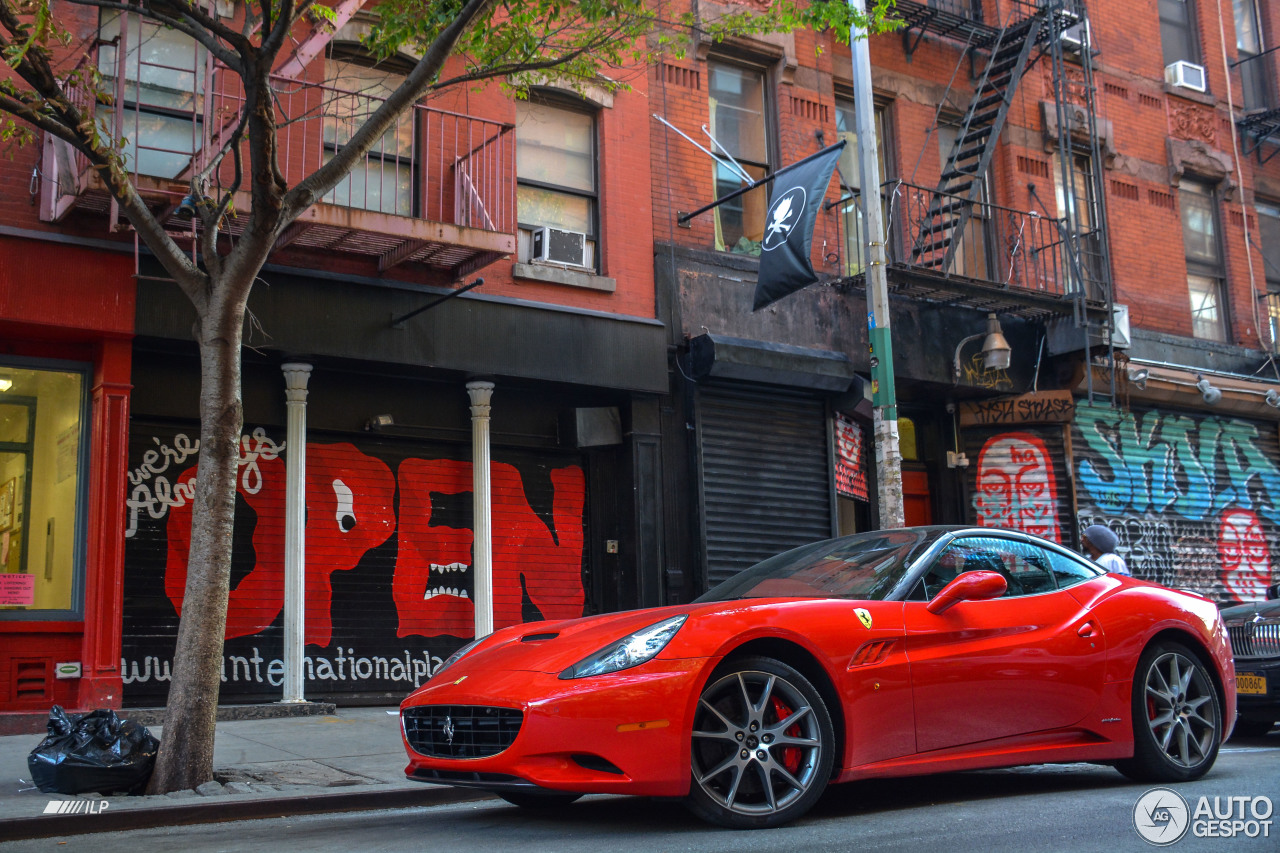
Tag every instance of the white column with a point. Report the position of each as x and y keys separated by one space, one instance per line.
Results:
x=482 y=496
x=295 y=523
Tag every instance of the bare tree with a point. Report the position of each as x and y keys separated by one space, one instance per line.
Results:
x=460 y=42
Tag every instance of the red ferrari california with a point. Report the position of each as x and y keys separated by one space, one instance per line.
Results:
x=890 y=653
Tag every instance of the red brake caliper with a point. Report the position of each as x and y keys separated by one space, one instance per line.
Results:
x=790 y=754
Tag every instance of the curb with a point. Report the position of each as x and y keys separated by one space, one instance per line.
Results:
x=226 y=810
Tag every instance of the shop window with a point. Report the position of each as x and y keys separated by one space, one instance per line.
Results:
x=1204 y=260
x=558 y=183
x=850 y=169
x=1269 y=243
x=1178 y=31
x=42 y=444
x=384 y=180
x=164 y=85
x=739 y=123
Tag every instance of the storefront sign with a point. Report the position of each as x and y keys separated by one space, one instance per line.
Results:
x=17 y=590
x=1039 y=407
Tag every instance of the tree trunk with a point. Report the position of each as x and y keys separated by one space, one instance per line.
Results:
x=185 y=759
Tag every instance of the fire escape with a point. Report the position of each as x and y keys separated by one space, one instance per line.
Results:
x=949 y=243
x=435 y=198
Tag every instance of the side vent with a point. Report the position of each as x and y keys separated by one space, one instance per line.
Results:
x=31 y=680
x=871 y=652
x=535 y=638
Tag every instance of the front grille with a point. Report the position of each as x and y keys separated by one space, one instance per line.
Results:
x=1255 y=640
x=460 y=731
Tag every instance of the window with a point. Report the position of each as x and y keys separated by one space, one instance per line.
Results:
x=1178 y=31
x=163 y=93
x=1027 y=569
x=556 y=171
x=851 y=184
x=1080 y=203
x=1204 y=260
x=42 y=443
x=384 y=180
x=1269 y=244
x=739 y=125
x=1253 y=67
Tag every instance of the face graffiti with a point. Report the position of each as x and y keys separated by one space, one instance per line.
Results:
x=1016 y=486
x=434 y=586
x=342 y=525
x=1246 y=562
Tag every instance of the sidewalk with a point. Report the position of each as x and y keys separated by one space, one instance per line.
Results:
x=349 y=760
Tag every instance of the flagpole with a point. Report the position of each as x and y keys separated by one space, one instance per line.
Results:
x=884 y=395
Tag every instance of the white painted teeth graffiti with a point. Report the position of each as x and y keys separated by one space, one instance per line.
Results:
x=451 y=567
x=455 y=592
x=345 y=513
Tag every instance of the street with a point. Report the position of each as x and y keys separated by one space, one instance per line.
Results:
x=1073 y=807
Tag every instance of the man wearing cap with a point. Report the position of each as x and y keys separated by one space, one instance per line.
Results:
x=1100 y=544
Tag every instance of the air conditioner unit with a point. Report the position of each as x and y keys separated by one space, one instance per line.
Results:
x=1075 y=36
x=1188 y=75
x=1121 y=336
x=554 y=246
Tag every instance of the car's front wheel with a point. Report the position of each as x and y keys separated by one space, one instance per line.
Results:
x=763 y=746
x=1176 y=719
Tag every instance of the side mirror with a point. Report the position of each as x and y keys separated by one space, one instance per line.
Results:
x=970 y=586
x=1273 y=592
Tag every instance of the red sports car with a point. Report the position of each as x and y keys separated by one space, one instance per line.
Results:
x=890 y=653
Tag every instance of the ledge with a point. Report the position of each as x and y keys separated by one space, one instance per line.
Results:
x=560 y=275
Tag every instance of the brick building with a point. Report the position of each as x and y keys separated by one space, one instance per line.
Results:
x=1098 y=178
x=1096 y=175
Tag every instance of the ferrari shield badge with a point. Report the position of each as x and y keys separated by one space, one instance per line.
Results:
x=864 y=616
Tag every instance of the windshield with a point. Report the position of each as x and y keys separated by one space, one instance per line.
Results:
x=866 y=566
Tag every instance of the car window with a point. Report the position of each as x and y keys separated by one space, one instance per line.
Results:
x=1027 y=568
x=1069 y=571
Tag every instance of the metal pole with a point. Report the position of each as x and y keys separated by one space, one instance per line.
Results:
x=482 y=502
x=295 y=524
x=883 y=394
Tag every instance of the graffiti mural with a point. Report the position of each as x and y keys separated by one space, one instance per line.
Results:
x=1015 y=485
x=388 y=580
x=1194 y=500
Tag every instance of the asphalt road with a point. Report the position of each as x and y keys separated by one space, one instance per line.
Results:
x=1044 y=808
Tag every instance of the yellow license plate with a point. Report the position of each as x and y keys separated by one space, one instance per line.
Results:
x=1251 y=683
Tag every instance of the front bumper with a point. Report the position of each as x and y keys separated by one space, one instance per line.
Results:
x=623 y=733
x=1258 y=706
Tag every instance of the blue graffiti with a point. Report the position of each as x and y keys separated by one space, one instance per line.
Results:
x=1163 y=463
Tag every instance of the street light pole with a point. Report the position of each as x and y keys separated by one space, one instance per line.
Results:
x=883 y=394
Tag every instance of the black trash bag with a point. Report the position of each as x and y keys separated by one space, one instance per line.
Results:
x=90 y=752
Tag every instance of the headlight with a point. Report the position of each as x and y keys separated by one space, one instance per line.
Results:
x=630 y=651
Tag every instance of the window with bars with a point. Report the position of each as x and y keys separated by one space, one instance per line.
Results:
x=1269 y=244
x=851 y=184
x=384 y=180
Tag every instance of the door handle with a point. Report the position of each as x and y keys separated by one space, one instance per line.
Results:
x=1086 y=630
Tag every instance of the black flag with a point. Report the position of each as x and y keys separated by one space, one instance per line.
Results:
x=788 y=231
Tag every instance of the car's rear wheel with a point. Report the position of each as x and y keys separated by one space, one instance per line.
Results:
x=1176 y=719
x=762 y=748
x=538 y=799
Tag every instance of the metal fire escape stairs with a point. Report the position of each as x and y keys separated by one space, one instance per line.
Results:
x=951 y=206
x=1049 y=30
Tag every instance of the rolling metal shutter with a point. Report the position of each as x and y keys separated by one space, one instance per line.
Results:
x=1019 y=477
x=765 y=475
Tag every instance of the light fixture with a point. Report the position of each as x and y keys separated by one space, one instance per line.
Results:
x=6 y=383
x=1273 y=398
x=187 y=207
x=1208 y=392
x=379 y=421
x=1138 y=377
x=995 y=349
